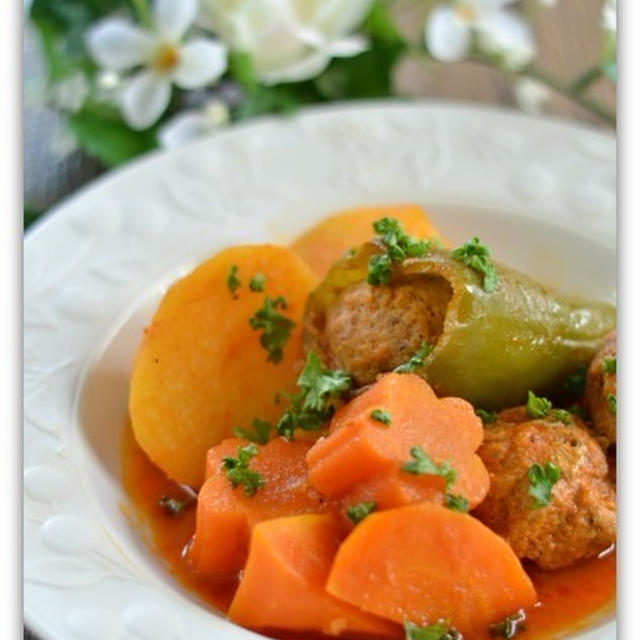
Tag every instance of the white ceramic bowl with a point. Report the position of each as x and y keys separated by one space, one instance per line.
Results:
x=540 y=193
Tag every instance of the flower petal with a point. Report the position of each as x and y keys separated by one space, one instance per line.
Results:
x=173 y=17
x=506 y=34
x=201 y=61
x=348 y=47
x=447 y=37
x=184 y=128
x=309 y=67
x=117 y=45
x=336 y=18
x=144 y=99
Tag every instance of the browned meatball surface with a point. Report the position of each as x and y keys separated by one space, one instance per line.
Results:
x=601 y=387
x=579 y=522
x=372 y=330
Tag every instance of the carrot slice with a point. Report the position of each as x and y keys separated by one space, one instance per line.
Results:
x=423 y=562
x=201 y=369
x=329 y=240
x=283 y=582
x=362 y=458
x=226 y=515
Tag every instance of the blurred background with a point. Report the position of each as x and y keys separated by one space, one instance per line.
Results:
x=108 y=80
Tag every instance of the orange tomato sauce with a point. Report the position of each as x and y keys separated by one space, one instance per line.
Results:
x=570 y=599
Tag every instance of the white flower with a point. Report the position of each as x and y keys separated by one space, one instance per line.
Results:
x=451 y=28
x=118 y=45
x=288 y=40
x=531 y=95
x=609 y=18
x=70 y=93
x=193 y=124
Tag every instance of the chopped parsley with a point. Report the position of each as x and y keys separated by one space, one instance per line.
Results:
x=423 y=465
x=358 y=512
x=233 y=282
x=313 y=405
x=174 y=506
x=609 y=365
x=259 y=432
x=238 y=472
x=575 y=383
x=276 y=327
x=537 y=406
x=441 y=630
x=476 y=255
x=456 y=502
x=398 y=246
x=508 y=627
x=257 y=282
x=416 y=361
x=541 y=481
x=380 y=415
x=487 y=417
x=612 y=401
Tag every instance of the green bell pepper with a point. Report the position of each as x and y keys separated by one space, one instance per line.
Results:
x=494 y=346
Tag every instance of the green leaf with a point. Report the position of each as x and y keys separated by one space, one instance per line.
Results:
x=612 y=401
x=238 y=472
x=456 y=502
x=358 y=512
x=423 y=465
x=609 y=365
x=575 y=383
x=476 y=255
x=256 y=283
x=109 y=139
x=242 y=69
x=541 y=482
x=416 y=361
x=276 y=328
x=441 y=630
x=380 y=415
x=537 y=407
x=30 y=216
x=259 y=432
x=233 y=282
x=487 y=417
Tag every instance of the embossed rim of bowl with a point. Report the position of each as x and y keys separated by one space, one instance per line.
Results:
x=115 y=240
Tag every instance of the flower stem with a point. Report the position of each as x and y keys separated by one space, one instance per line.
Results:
x=585 y=80
x=141 y=7
x=592 y=106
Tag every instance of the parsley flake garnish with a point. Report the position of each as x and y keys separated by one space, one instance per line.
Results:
x=537 y=407
x=561 y=415
x=238 y=472
x=423 y=465
x=487 y=417
x=259 y=432
x=575 y=383
x=441 y=630
x=276 y=327
x=609 y=365
x=358 y=512
x=541 y=481
x=613 y=403
x=398 y=246
x=233 y=282
x=476 y=255
x=174 y=506
x=257 y=282
x=380 y=415
x=508 y=627
x=313 y=405
x=416 y=361
x=456 y=502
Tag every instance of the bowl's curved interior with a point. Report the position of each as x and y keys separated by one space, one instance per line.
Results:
x=569 y=262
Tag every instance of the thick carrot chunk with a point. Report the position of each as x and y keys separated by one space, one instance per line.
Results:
x=283 y=586
x=226 y=515
x=423 y=562
x=329 y=240
x=363 y=457
x=201 y=369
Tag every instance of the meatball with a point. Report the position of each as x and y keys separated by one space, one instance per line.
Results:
x=580 y=520
x=370 y=330
x=601 y=388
